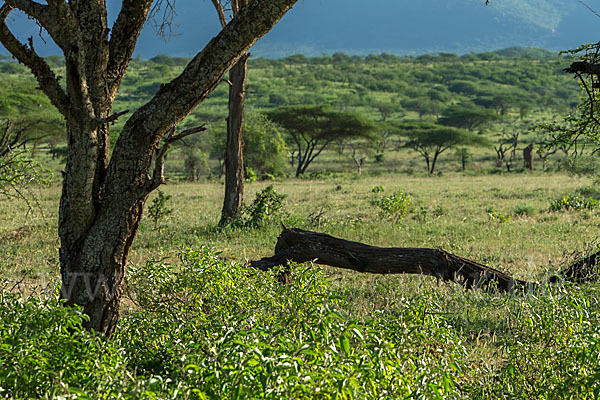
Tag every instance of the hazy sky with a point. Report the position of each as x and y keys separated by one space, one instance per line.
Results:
x=359 y=26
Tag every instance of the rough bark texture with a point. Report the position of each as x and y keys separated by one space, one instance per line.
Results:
x=234 y=147
x=299 y=246
x=103 y=197
x=234 y=150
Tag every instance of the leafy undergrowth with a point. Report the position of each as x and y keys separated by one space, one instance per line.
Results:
x=210 y=329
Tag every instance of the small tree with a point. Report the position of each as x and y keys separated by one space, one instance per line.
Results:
x=360 y=150
x=313 y=128
x=431 y=140
x=265 y=150
x=506 y=149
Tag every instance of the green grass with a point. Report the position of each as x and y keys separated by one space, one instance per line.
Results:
x=451 y=212
x=195 y=324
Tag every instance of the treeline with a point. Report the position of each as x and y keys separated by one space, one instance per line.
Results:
x=426 y=104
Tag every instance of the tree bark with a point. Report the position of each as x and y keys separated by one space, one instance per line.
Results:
x=300 y=246
x=234 y=150
x=103 y=196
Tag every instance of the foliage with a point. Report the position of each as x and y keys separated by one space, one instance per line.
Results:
x=497 y=216
x=265 y=150
x=266 y=206
x=574 y=203
x=45 y=352
x=158 y=210
x=229 y=334
x=195 y=163
x=467 y=116
x=396 y=205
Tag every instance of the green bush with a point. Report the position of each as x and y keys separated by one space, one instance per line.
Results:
x=396 y=206
x=497 y=216
x=228 y=333
x=574 y=203
x=45 y=352
x=158 y=210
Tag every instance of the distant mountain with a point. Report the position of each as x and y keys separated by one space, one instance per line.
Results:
x=403 y=27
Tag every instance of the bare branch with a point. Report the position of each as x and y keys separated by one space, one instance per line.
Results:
x=158 y=177
x=38 y=66
x=111 y=118
x=220 y=12
x=589 y=8
x=163 y=11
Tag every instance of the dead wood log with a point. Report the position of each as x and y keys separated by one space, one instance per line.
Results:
x=300 y=246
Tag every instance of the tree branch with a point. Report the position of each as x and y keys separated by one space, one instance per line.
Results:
x=158 y=177
x=111 y=118
x=38 y=66
x=220 y=12
x=125 y=33
x=31 y=8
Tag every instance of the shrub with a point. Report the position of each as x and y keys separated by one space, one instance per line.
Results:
x=524 y=209
x=397 y=205
x=158 y=210
x=498 y=216
x=45 y=352
x=573 y=202
x=222 y=332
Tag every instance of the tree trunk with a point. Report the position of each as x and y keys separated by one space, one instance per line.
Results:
x=103 y=196
x=234 y=151
x=300 y=246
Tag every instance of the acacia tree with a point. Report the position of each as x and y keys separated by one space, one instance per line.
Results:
x=313 y=128
x=234 y=148
x=431 y=140
x=103 y=195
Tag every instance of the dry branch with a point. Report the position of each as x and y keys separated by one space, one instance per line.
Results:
x=300 y=246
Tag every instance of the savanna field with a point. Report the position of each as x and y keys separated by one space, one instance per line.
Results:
x=198 y=323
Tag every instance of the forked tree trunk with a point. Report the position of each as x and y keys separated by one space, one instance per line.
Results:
x=300 y=246
x=103 y=196
x=234 y=150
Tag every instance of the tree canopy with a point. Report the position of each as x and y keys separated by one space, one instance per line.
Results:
x=313 y=128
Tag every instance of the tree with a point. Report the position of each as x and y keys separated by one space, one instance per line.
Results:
x=234 y=148
x=265 y=150
x=467 y=116
x=103 y=194
x=313 y=128
x=360 y=149
x=506 y=149
x=431 y=140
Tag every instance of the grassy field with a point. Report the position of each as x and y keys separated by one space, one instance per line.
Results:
x=438 y=340
x=451 y=212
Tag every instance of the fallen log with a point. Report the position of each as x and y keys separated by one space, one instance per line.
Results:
x=300 y=246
